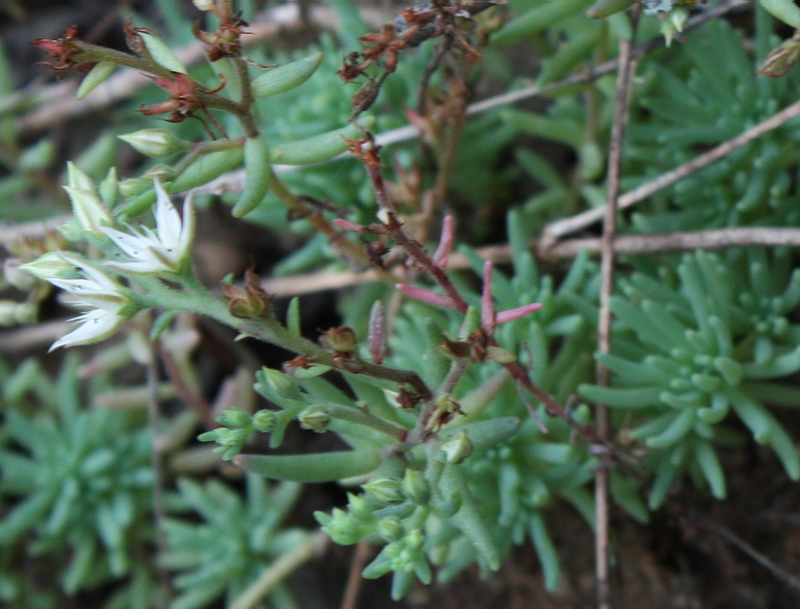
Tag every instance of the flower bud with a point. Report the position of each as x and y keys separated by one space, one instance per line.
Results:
x=47 y=266
x=133 y=187
x=340 y=340
x=280 y=384
x=416 y=487
x=315 y=418
x=234 y=417
x=384 y=491
x=390 y=529
x=779 y=61
x=156 y=143
x=251 y=302
x=264 y=421
x=234 y=438
x=88 y=209
x=358 y=507
x=457 y=448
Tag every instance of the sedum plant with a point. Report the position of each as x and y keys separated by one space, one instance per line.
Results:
x=697 y=346
x=454 y=407
x=236 y=541
x=84 y=478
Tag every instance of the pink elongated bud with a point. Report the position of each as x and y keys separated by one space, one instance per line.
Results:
x=440 y=300
x=488 y=320
x=513 y=314
x=348 y=225
x=442 y=254
x=376 y=333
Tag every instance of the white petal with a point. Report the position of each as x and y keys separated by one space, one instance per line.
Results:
x=168 y=222
x=134 y=246
x=95 y=325
x=101 y=281
x=188 y=228
x=140 y=268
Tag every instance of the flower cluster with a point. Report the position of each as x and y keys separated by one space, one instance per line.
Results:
x=108 y=304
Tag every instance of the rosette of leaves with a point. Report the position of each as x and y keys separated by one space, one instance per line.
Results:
x=685 y=108
x=235 y=540
x=695 y=349
x=81 y=479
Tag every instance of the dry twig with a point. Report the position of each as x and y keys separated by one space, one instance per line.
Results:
x=561 y=228
x=602 y=501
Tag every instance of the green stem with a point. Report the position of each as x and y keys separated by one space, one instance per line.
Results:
x=91 y=52
x=206 y=148
x=360 y=417
x=268 y=329
x=278 y=571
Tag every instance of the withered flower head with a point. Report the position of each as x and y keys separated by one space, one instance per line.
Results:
x=63 y=50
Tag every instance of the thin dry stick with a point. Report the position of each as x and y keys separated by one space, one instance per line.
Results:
x=675 y=242
x=354 y=579
x=277 y=571
x=602 y=503
x=561 y=228
x=733 y=539
x=308 y=283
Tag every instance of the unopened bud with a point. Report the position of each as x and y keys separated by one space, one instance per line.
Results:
x=391 y=529
x=340 y=340
x=264 y=421
x=133 y=187
x=234 y=438
x=315 y=418
x=282 y=385
x=155 y=142
x=47 y=266
x=358 y=507
x=88 y=209
x=416 y=487
x=235 y=417
x=779 y=61
x=457 y=448
x=384 y=491
x=251 y=302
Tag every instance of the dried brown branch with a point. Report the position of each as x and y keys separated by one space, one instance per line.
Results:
x=777 y=571
x=677 y=242
x=602 y=501
x=561 y=228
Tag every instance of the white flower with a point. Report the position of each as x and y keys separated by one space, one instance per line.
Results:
x=94 y=290
x=164 y=250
